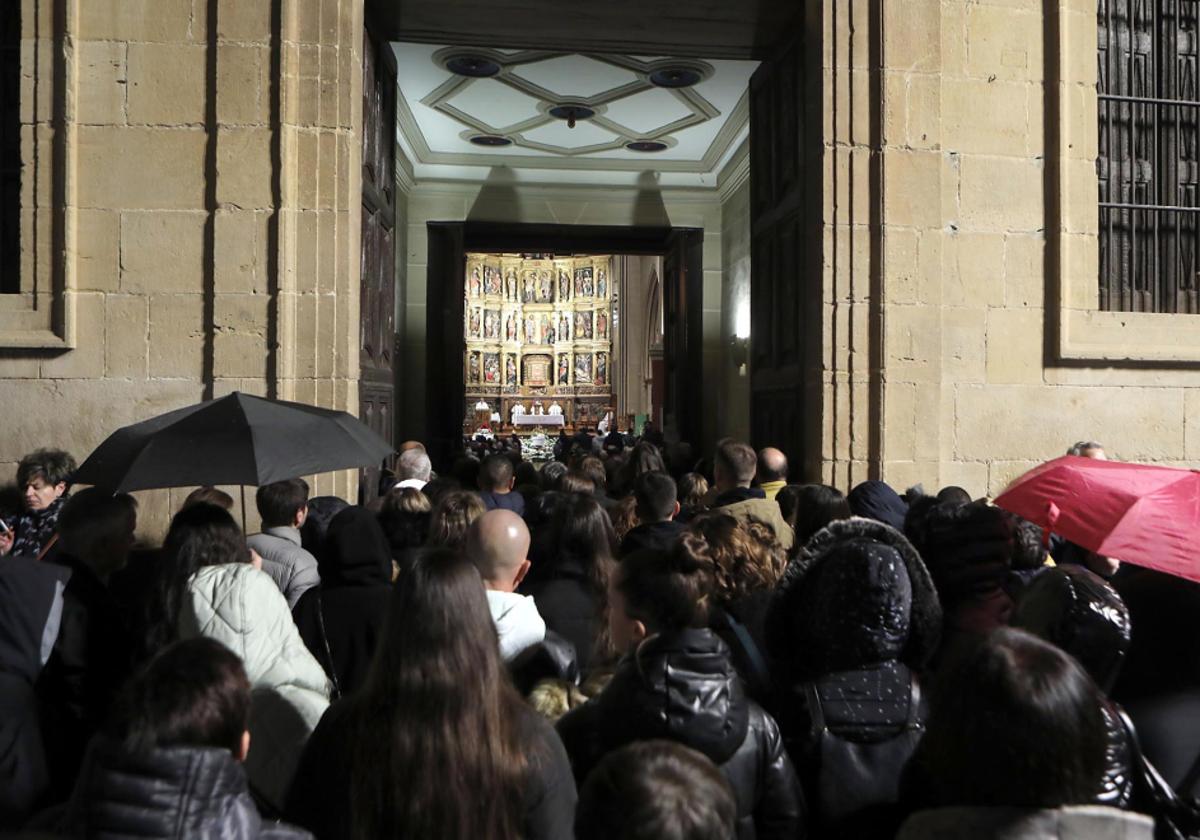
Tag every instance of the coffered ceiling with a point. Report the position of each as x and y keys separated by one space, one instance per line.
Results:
x=695 y=127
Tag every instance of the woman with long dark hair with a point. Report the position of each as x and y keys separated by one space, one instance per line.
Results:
x=437 y=744
x=1015 y=747
x=205 y=585
x=200 y=535
x=569 y=578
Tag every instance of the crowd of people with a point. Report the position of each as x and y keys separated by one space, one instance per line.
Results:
x=623 y=642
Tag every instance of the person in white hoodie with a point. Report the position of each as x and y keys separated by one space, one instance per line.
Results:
x=498 y=545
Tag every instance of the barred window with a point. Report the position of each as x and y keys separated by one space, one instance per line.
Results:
x=1147 y=166
x=10 y=146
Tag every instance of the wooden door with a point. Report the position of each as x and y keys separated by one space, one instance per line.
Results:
x=785 y=330
x=377 y=327
x=683 y=323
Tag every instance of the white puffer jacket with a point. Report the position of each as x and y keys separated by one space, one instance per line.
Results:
x=1076 y=822
x=242 y=608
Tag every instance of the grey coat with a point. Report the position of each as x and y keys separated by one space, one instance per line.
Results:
x=292 y=568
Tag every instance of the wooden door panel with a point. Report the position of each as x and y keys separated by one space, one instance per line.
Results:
x=377 y=290
x=785 y=259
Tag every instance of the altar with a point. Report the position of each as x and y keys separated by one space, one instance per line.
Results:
x=556 y=421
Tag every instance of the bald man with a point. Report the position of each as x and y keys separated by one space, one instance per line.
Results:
x=498 y=545
x=772 y=471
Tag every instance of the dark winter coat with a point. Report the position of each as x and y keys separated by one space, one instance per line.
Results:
x=1159 y=683
x=682 y=687
x=653 y=536
x=320 y=798
x=855 y=614
x=32 y=598
x=92 y=658
x=1079 y=612
x=168 y=793
x=570 y=606
x=348 y=608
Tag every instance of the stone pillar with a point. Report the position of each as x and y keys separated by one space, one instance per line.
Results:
x=885 y=226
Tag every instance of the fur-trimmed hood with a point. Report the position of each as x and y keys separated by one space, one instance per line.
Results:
x=857 y=595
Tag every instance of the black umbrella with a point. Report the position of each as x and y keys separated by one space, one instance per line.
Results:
x=238 y=439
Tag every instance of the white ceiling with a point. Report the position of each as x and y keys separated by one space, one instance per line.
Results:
x=439 y=111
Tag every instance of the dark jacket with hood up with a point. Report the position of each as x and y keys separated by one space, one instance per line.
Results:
x=32 y=595
x=348 y=608
x=1083 y=615
x=682 y=687
x=198 y=793
x=855 y=616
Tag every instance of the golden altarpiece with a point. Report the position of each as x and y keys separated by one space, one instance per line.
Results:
x=539 y=335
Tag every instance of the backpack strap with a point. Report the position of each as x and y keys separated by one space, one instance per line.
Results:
x=914 y=704
x=758 y=665
x=337 y=689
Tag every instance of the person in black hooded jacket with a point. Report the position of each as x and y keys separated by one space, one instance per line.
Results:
x=340 y=619
x=855 y=618
x=1076 y=610
x=676 y=682
x=169 y=763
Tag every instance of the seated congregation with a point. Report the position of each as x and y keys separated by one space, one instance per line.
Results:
x=621 y=643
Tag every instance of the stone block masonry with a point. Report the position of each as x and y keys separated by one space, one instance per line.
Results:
x=203 y=132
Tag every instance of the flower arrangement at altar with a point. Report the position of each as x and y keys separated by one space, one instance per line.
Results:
x=538 y=447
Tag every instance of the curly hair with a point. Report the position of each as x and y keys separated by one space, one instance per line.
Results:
x=624 y=516
x=746 y=555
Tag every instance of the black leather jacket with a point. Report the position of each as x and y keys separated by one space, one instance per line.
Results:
x=179 y=792
x=682 y=687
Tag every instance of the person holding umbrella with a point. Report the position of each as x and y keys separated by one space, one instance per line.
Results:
x=1066 y=552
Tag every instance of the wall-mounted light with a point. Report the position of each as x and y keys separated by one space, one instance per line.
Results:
x=741 y=321
x=739 y=345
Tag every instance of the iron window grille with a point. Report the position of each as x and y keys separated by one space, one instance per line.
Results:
x=1147 y=165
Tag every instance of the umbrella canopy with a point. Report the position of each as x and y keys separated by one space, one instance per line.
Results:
x=1145 y=515
x=238 y=439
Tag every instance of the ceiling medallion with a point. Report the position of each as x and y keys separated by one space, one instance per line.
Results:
x=675 y=77
x=473 y=66
x=646 y=146
x=490 y=140
x=572 y=113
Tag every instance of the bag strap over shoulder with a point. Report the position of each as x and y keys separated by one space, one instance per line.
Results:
x=337 y=689
x=756 y=662
x=914 y=703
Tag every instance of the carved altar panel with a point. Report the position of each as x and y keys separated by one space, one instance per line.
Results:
x=539 y=328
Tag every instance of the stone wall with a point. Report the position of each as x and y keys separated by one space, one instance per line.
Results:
x=211 y=215
x=950 y=266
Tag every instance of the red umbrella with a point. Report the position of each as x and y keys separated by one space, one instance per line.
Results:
x=1148 y=516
